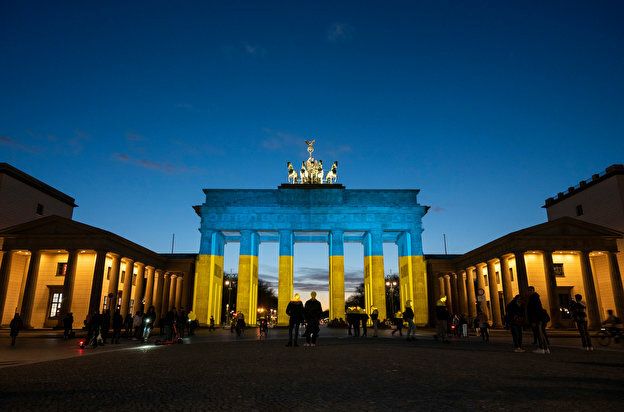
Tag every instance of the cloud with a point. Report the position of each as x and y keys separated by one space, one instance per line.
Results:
x=76 y=143
x=278 y=140
x=164 y=167
x=134 y=137
x=13 y=144
x=339 y=33
x=338 y=150
x=255 y=51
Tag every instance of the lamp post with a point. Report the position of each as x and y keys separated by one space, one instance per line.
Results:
x=391 y=285
x=228 y=283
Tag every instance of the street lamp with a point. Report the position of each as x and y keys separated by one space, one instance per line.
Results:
x=391 y=285
x=228 y=284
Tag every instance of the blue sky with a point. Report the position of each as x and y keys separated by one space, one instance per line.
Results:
x=487 y=107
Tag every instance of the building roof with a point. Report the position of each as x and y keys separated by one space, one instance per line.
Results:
x=613 y=170
x=15 y=173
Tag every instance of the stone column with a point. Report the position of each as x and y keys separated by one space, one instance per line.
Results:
x=616 y=284
x=441 y=287
x=494 y=301
x=158 y=293
x=208 y=279
x=68 y=284
x=413 y=274
x=165 y=294
x=138 y=288
x=113 y=282
x=247 y=288
x=506 y=280
x=127 y=288
x=336 y=276
x=97 y=282
x=178 y=297
x=463 y=296
x=454 y=292
x=448 y=293
x=5 y=272
x=551 y=289
x=593 y=314
x=472 y=299
x=30 y=288
x=172 y=292
x=521 y=273
x=285 y=280
x=374 y=278
x=149 y=288
x=481 y=285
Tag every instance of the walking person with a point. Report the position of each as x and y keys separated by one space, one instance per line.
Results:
x=15 y=326
x=579 y=315
x=68 y=325
x=442 y=316
x=211 y=326
x=514 y=319
x=482 y=322
x=398 y=322
x=137 y=324
x=408 y=316
x=148 y=323
x=535 y=316
x=312 y=314
x=295 y=311
x=375 y=319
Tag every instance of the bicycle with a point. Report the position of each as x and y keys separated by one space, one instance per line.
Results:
x=605 y=335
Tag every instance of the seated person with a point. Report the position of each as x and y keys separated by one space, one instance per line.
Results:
x=612 y=321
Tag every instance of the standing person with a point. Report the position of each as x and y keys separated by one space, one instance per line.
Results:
x=105 y=325
x=442 y=316
x=364 y=320
x=579 y=314
x=350 y=319
x=182 y=322
x=193 y=322
x=398 y=322
x=68 y=325
x=168 y=323
x=408 y=316
x=15 y=326
x=482 y=322
x=535 y=316
x=240 y=324
x=375 y=319
x=148 y=323
x=118 y=321
x=137 y=323
x=211 y=326
x=312 y=312
x=356 y=321
x=514 y=319
x=128 y=325
x=94 y=328
x=295 y=311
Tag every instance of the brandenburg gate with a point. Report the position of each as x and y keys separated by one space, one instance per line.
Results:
x=312 y=207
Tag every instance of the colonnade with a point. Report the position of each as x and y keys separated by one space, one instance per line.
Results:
x=209 y=274
x=87 y=280
x=593 y=274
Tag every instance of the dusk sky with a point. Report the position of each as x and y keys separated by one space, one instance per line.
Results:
x=487 y=107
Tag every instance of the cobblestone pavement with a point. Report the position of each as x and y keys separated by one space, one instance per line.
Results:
x=339 y=374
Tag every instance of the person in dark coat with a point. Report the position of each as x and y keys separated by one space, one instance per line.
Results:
x=375 y=319
x=15 y=326
x=295 y=310
x=442 y=317
x=128 y=325
x=117 y=325
x=408 y=316
x=579 y=314
x=182 y=321
x=169 y=319
x=364 y=321
x=105 y=325
x=398 y=322
x=94 y=328
x=312 y=314
x=148 y=323
x=535 y=317
x=514 y=319
x=68 y=325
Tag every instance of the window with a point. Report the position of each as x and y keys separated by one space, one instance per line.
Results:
x=55 y=304
x=61 y=268
x=558 y=269
x=105 y=302
x=108 y=269
x=511 y=274
x=579 y=210
x=123 y=275
x=134 y=276
x=485 y=280
x=497 y=278
x=39 y=209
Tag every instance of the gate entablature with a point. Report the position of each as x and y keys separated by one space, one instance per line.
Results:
x=311 y=209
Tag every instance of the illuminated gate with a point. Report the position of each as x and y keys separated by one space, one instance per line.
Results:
x=309 y=210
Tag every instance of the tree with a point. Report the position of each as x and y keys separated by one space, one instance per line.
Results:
x=393 y=295
x=267 y=298
x=357 y=297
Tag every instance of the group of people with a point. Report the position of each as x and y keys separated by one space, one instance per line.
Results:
x=298 y=313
